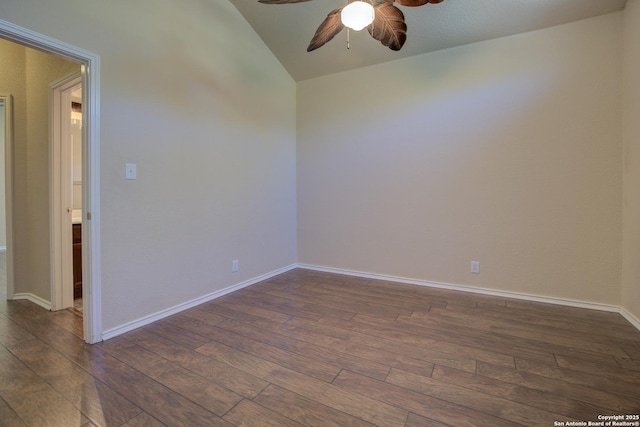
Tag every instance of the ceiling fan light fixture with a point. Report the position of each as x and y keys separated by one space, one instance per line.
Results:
x=357 y=15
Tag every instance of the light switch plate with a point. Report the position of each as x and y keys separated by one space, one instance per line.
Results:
x=130 y=171
x=475 y=267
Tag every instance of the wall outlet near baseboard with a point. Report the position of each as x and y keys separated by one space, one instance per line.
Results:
x=475 y=267
x=235 y=265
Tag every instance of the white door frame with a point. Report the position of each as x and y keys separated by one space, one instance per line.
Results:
x=60 y=188
x=91 y=258
x=8 y=183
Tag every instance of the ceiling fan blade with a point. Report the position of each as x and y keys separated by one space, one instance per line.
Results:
x=389 y=27
x=281 y=1
x=331 y=26
x=413 y=3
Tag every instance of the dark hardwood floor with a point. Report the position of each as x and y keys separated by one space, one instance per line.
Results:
x=316 y=349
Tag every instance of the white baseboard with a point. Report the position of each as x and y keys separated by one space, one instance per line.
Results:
x=114 y=332
x=630 y=317
x=506 y=294
x=111 y=333
x=34 y=299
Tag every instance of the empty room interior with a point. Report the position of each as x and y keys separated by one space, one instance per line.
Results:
x=434 y=221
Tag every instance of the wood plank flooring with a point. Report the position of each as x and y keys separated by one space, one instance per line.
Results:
x=315 y=349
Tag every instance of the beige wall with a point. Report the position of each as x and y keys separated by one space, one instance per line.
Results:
x=631 y=202
x=29 y=73
x=506 y=152
x=12 y=82
x=191 y=95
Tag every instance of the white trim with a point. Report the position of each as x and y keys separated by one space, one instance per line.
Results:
x=8 y=189
x=498 y=293
x=111 y=333
x=3 y=249
x=34 y=299
x=630 y=317
x=114 y=332
x=91 y=261
x=91 y=248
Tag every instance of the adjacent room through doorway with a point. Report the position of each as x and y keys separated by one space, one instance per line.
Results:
x=35 y=63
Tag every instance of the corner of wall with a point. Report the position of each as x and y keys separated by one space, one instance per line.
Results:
x=631 y=160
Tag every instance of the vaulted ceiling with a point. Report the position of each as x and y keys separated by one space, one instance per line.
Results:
x=287 y=29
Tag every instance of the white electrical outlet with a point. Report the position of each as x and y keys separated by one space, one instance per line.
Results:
x=130 y=171
x=235 y=264
x=475 y=267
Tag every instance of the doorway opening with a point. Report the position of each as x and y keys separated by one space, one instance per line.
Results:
x=90 y=72
x=66 y=163
x=5 y=137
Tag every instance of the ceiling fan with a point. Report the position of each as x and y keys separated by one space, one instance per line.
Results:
x=385 y=23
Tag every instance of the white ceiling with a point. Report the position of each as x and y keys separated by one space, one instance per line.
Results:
x=287 y=28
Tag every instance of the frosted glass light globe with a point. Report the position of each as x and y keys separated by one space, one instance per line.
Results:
x=357 y=15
